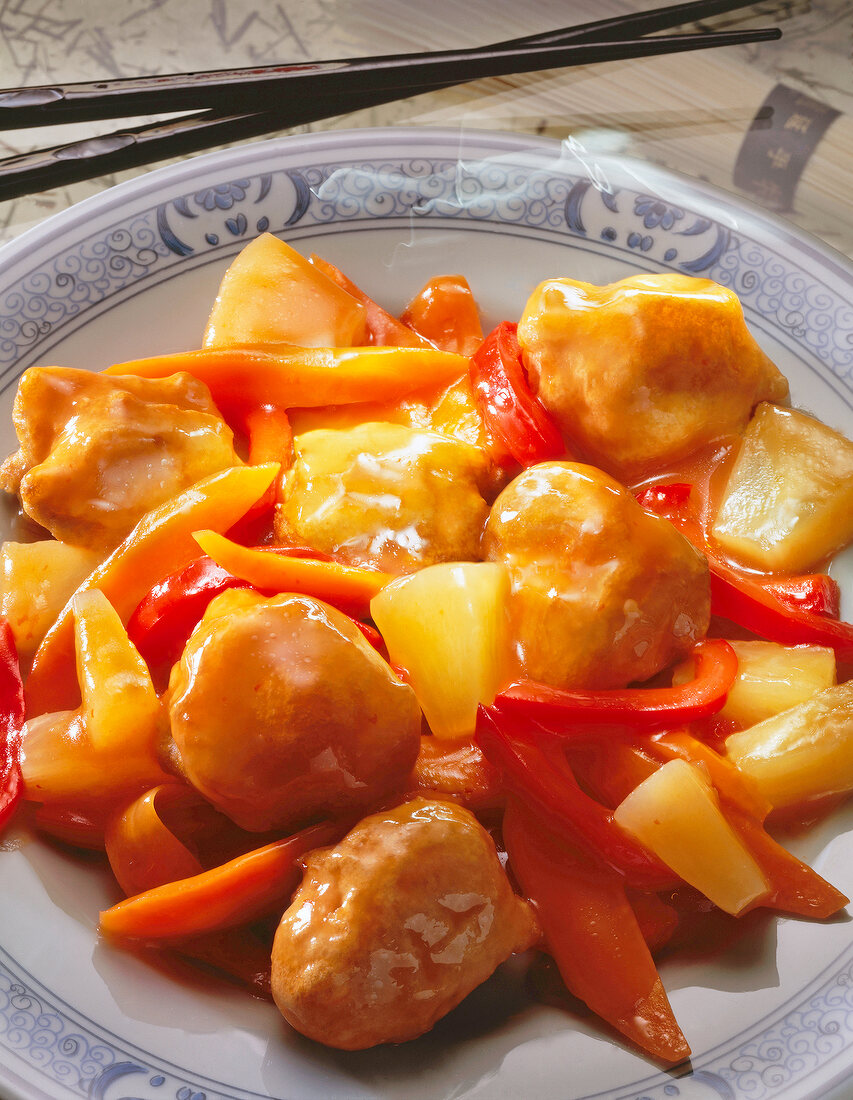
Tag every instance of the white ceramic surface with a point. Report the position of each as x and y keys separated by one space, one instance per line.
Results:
x=132 y=272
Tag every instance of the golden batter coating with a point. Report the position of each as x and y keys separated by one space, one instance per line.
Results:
x=645 y=371
x=385 y=496
x=394 y=926
x=281 y=711
x=97 y=452
x=603 y=592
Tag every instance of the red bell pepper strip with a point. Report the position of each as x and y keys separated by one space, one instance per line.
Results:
x=640 y=708
x=236 y=893
x=660 y=498
x=11 y=724
x=544 y=778
x=814 y=592
x=754 y=603
x=593 y=935
x=757 y=607
x=165 y=618
x=163 y=621
x=512 y=414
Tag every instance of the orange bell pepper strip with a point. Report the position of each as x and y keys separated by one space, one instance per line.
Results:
x=235 y=893
x=345 y=586
x=269 y=434
x=142 y=850
x=593 y=935
x=384 y=329
x=445 y=312
x=241 y=377
x=795 y=887
x=160 y=543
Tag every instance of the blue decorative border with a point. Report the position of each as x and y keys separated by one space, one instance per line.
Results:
x=538 y=196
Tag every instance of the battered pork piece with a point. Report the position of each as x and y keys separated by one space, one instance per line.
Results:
x=281 y=711
x=98 y=452
x=603 y=592
x=394 y=926
x=645 y=371
x=385 y=496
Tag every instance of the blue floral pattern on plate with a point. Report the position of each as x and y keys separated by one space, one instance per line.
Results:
x=558 y=195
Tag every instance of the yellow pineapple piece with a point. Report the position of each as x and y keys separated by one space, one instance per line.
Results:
x=447 y=627
x=37 y=579
x=272 y=295
x=771 y=678
x=675 y=814
x=119 y=704
x=803 y=753
x=788 y=502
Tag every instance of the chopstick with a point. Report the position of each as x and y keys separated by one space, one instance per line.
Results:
x=376 y=80
x=254 y=89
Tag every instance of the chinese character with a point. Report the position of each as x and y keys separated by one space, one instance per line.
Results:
x=779 y=158
x=798 y=123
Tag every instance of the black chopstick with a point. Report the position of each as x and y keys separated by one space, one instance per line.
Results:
x=130 y=147
x=266 y=87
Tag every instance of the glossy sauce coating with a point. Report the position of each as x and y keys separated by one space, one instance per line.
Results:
x=603 y=592
x=98 y=452
x=391 y=928
x=281 y=711
x=643 y=372
x=385 y=496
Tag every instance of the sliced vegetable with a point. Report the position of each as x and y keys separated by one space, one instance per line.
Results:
x=159 y=544
x=445 y=312
x=541 y=776
x=447 y=627
x=38 y=579
x=803 y=753
x=771 y=678
x=236 y=893
x=674 y=814
x=593 y=934
x=788 y=501
x=345 y=586
x=814 y=592
x=119 y=706
x=168 y=614
x=11 y=723
x=754 y=603
x=142 y=850
x=511 y=412
x=271 y=294
x=241 y=377
x=382 y=328
x=639 y=708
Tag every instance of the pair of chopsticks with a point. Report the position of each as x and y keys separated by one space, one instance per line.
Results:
x=244 y=103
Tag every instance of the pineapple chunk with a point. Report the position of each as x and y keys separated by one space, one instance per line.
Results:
x=272 y=295
x=38 y=579
x=120 y=707
x=674 y=813
x=447 y=627
x=788 y=502
x=770 y=678
x=803 y=753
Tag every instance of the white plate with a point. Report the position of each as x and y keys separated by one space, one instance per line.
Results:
x=133 y=272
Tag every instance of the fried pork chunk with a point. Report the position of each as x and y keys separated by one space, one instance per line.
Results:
x=394 y=926
x=280 y=711
x=645 y=371
x=97 y=452
x=385 y=496
x=603 y=592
